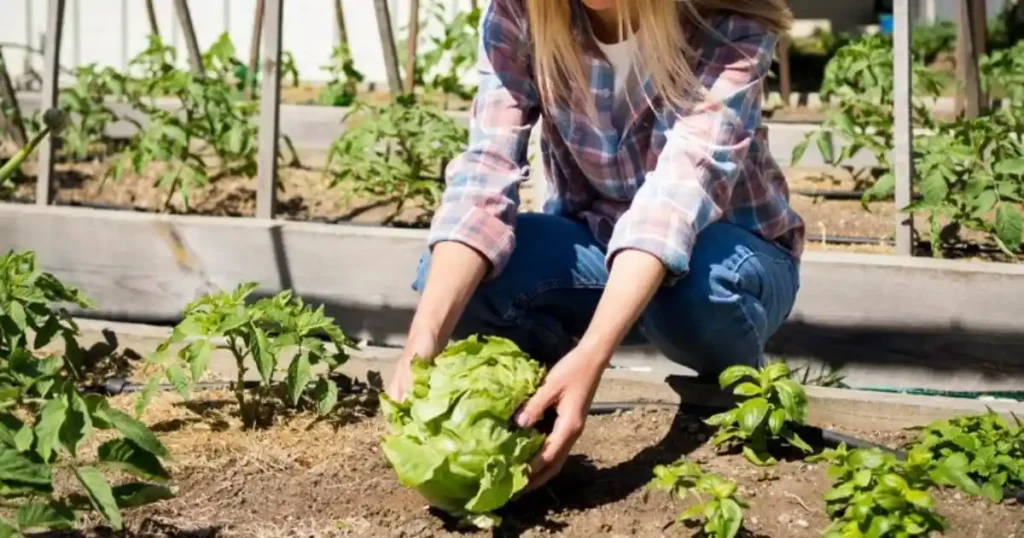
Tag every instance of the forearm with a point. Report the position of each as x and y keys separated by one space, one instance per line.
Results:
x=634 y=278
x=455 y=272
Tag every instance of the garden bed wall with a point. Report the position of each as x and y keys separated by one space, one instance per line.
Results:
x=942 y=316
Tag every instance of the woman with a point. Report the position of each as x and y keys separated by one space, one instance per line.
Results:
x=667 y=220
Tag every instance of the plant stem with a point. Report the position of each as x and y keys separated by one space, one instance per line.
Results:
x=15 y=163
x=239 y=380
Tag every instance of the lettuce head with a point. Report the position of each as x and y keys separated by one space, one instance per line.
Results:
x=451 y=438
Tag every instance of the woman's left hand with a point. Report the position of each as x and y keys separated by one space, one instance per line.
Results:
x=569 y=387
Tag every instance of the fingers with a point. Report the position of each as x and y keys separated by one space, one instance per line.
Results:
x=556 y=449
x=534 y=408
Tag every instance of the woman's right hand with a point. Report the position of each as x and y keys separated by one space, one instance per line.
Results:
x=401 y=378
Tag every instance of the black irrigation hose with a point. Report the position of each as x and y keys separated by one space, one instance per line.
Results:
x=840 y=194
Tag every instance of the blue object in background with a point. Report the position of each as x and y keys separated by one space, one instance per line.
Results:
x=885 y=24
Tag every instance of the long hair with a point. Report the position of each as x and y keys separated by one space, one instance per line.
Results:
x=665 y=50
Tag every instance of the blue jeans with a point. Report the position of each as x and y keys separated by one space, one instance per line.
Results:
x=739 y=290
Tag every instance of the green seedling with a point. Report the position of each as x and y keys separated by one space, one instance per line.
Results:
x=988 y=446
x=770 y=403
x=258 y=335
x=717 y=504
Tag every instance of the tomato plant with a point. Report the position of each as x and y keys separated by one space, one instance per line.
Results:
x=970 y=172
x=345 y=78
x=992 y=448
x=257 y=333
x=721 y=510
x=396 y=152
x=450 y=56
x=770 y=403
x=85 y=102
x=211 y=119
x=1004 y=70
x=46 y=422
x=859 y=78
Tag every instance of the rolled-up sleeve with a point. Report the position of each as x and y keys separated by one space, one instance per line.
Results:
x=481 y=197
x=705 y=146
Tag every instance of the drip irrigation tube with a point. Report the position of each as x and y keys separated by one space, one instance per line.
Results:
x=1017 y=395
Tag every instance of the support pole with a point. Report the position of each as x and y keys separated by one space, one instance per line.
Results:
x=339 y=19
x=270 y=111
x=785 y=74
x=410 y=45
x=387 y=43
x=48 y=99
x=154 y=27
x=968 y=95
x=195 y=57
x=254 y=46
x=10 y=112
x=902 y=157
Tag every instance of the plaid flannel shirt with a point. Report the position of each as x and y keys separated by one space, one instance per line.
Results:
x=652 y=186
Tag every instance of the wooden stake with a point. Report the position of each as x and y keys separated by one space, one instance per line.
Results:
x=387 y=43
x=195 y=57
x=968 y=96
x=339 y=18
x=270 y=111
x=902 y=156
x=410 y=46
x=11 y=113
x=254 y=46
x=979 y=29
x=48 y=99
x=154 y=26
x=785 y=75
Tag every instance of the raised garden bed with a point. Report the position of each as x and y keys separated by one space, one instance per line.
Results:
x=309 y=479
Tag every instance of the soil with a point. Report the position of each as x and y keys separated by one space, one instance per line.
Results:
x=306 y=478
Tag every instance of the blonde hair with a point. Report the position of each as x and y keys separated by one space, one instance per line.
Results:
x=665 y=50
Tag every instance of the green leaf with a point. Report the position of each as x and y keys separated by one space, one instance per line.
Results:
x=776 y=421
x=17 y=314
x=298 y=376
x=720 y=419
x=51 y=418
x=1008 y=226
x=826 y=146
x=263 y=355
x=100 y=495
x=793 y=400
x=800 y=149
x=8 y=529
x=77 y=425
x=137 y=432
x=747 y=389
x=919 y=498
x=751 y=413
x=146 y=396
x=198 y=354
x=761 y=459
x=131 y=458
x=24 y=438
x=177 y=378
x=934 y=188
x=16 y=467
x=799 y=443
x=50 y=516
x=46 y=333
x=1014 y=167
x=732 y=518
x=992 y=491
x=136 y=494
x=732 y=374
x=326 y=393
x=775 y=371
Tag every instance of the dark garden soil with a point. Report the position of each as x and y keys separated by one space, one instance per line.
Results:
x=302 y=478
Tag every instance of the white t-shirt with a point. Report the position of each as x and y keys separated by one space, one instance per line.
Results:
x=622 y=56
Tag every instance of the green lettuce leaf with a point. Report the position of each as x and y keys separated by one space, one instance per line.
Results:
x=451 y=438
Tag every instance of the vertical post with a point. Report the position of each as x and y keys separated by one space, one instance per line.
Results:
x=979 y=32
x=270 y=111
x=29 y=28
x=124 y=34
x=339 y=19
x=903 y=135
x=968 y=95
x=10 y=112
x=785 y=74
x=154 y=27
x=410 y=45
x=76 y=30
x=48 y=99
x=195 y=57
x=387 y=43
x=254 y=47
